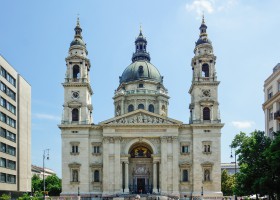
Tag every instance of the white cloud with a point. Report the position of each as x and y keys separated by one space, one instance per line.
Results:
x=46 y=116
x=209 y=6
x=243 y=124
x=200 y=6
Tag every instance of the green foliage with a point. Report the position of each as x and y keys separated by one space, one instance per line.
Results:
x=37 y=183
x=53 y=185
x=5 y=197
x=227 y=183
x=258 y=159
x=252 y=161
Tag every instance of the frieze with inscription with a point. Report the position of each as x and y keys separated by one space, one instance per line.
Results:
x=140 y=118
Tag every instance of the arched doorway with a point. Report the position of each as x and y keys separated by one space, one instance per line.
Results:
x=140 y=169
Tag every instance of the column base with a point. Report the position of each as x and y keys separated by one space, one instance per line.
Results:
x=126 y=190
x=155 y=190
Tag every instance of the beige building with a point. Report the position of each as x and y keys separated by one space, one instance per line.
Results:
x=271 y=104
x=15 y=133
x=39 y=171
x=141 y=150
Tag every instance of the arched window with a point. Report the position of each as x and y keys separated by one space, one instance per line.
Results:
x=205 y=70
x=185 y=175
x=75 y=115
x=151 y=108
x=140 y=69
x=206 y=175
x=141 y=106
x=130 y=108
x=76 y=71
x=96 y=176
x=75 y=175
x=206 y=113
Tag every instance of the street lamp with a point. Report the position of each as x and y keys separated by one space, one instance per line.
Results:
x=45 y=155
x=235 y=197
x=202 y=192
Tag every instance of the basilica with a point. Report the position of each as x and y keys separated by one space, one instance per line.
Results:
x=140 y=150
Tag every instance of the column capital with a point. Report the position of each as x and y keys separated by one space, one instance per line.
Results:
x=163 y=139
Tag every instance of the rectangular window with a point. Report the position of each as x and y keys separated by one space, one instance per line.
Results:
x=11 y=164
x=185 y=149
x=11 y=150
x=270 y=133
x=96 y=149
x=3 y=72
x=2 y=177
x=185 y=175
x=11 y=122
x=3 y=117
x=11 y=178
x=269 y=93
x=11 y=136
x=3 y=132
x=75 y=149
x=3 y=147
x=3 y=102
x=11 y=79
x=278 y=86
x=3 y=87
x=11 y=108
x=11 y=93
x=3 y=162
x=270 y=114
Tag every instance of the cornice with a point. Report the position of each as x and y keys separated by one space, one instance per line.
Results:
x=78 y=84
x=273 y=99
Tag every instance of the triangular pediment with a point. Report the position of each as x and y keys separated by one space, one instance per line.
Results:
x=140 y=117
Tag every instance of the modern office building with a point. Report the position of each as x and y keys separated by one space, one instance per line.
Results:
x=15 y=133
x=141 y=149
x=271 y=105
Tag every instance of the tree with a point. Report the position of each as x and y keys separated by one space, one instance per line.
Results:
x=53 y=185
x=273 y=178
x=36 y=183
x=5 y=197
x=254 y=166
x=227 y=183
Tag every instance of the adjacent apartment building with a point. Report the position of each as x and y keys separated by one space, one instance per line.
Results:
x=15 y=131
x=271 y=104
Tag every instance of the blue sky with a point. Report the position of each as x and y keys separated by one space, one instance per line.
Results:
x=35 y=37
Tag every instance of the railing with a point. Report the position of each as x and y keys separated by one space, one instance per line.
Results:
x=277 y=115
x=76 y=80
x=141 y=91
x=137 y=190
x=75 y=122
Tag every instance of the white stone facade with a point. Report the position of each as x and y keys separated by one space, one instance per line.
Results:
x=271 y=105
x=141 y=149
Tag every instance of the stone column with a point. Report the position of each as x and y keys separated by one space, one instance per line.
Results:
x=122 y=107
x=163 y=168
x=175 y=165
x=106 y=165
x=117 y=166
x=155 y=177
x=126 y=189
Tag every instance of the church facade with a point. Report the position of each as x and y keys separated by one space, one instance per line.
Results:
x=141 y=150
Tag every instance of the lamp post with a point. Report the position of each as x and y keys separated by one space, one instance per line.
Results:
x=202 y=192
x=45 y=155
x=235 y=197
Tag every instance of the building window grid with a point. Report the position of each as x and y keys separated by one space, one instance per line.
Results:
x=185 y=175
x=270 y=114
x=184 y=149
x=7 y=76
x=96 y=149
x=6 y=119
x=6 y=104
x=7 y=178
x=7 y=134
x=269 y=93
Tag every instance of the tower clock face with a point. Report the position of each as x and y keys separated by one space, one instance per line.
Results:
x=206 y=93
x=75 y=95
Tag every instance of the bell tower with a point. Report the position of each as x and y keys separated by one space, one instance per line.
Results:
x=204 y=106
x=77 y=90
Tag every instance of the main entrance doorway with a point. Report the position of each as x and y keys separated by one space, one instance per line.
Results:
x=141 y=185
x=140 y=169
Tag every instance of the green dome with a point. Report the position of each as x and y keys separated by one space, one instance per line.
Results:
x=141 y=70
x=78 y=41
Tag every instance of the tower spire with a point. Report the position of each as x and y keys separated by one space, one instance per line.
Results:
x=140 y=48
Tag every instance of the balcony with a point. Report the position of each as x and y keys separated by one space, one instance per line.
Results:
x=277 y=115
